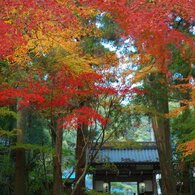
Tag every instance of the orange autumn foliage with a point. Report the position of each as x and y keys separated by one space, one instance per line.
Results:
x=188 y=148
x=150 y=24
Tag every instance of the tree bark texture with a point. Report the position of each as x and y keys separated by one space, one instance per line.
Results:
x=186 y=178
x=185 y=165
x=159 y=101
x=80 y=158
x=20 y=171
x=57 y=137
x=164 y=151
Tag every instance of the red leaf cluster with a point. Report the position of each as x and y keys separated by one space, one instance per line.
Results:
x=150 y=24
x=19 y=18
x=60 y=94
x=10 y=38
x=82 y=116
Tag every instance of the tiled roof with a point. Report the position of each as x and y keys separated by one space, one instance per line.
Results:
x=140 y=155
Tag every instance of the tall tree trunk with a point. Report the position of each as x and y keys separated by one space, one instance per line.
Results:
x=20 y=172
x=80 y=157
x=186 y=178
x=161 y=127
x=185 y=165
x=161 y=130
x=57 y=137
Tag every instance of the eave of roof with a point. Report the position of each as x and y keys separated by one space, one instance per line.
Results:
x=145 y=154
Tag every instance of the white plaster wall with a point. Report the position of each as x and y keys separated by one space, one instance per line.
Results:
x=98 y=186
x=149 y=187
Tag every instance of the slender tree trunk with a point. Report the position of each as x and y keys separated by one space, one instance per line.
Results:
x=185 y=165
x=161 y=130
x=161 y=127
x=80 y=157
x=57 y=161
x=46 y=186
x=20 y=172
x=186 y=178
